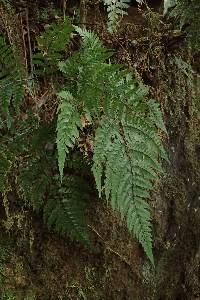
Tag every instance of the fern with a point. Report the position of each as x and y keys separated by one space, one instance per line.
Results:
x=27 y=165
x=187 y=14
x=130 y=163
x=64 y=210
x=25 y=158
x=11 y=83
x=127 y=144
x=115 y=9
x=51 y=47
x=36 y=163
x=155 y=115
x=33 y=181
x=67 y=128
x=87 y=73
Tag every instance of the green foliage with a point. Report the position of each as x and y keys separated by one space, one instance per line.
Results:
x=64 y=210
x=30 y=157
x=33 y=181
x=155 y=115
x=51 y=45
x=38 y=163
x=187 y=14
x=127 y=144
x=130 y=162
x=67 y=131
x=124 y=135
x=11 y=84
x=8 y=295
x=25 y=155
x=115 y=9
x=184 y=68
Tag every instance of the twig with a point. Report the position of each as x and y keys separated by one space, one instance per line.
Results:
x=109 y=248
x=29 y=43
x=24 y=44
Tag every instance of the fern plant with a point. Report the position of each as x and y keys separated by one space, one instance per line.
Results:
x=115 y=9
x=127 y=144
x=187 y=14
x=27 y=155
x=64 y=210
x=34 y=180
x=68 y=118
x=51 y=47
x=11 y=84
x=26 y=149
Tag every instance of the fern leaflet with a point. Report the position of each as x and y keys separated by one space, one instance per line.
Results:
x=115 y=9
x=64 y=210
x=67 y=128
x=33 y=182
x=156 y=115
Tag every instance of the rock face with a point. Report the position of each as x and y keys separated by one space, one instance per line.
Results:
x=43 y=265
x=175 y=200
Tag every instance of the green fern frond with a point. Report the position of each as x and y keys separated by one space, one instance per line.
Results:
x=96 y=84
x=65 y=210
x=155 y=115
x=115 y=9
x=51 y=45
x=24 y=157
x=103 y=140
x=90 y=40
x=130 y=167
x=127 y=143
x=91 y=55
x=67 y=128
x=33 y=182
x=87 y=72
x=138 y=222
x=144 y=130
x=11 y=83
x=187 y=13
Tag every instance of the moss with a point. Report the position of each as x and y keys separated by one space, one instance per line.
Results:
x=36 y=264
